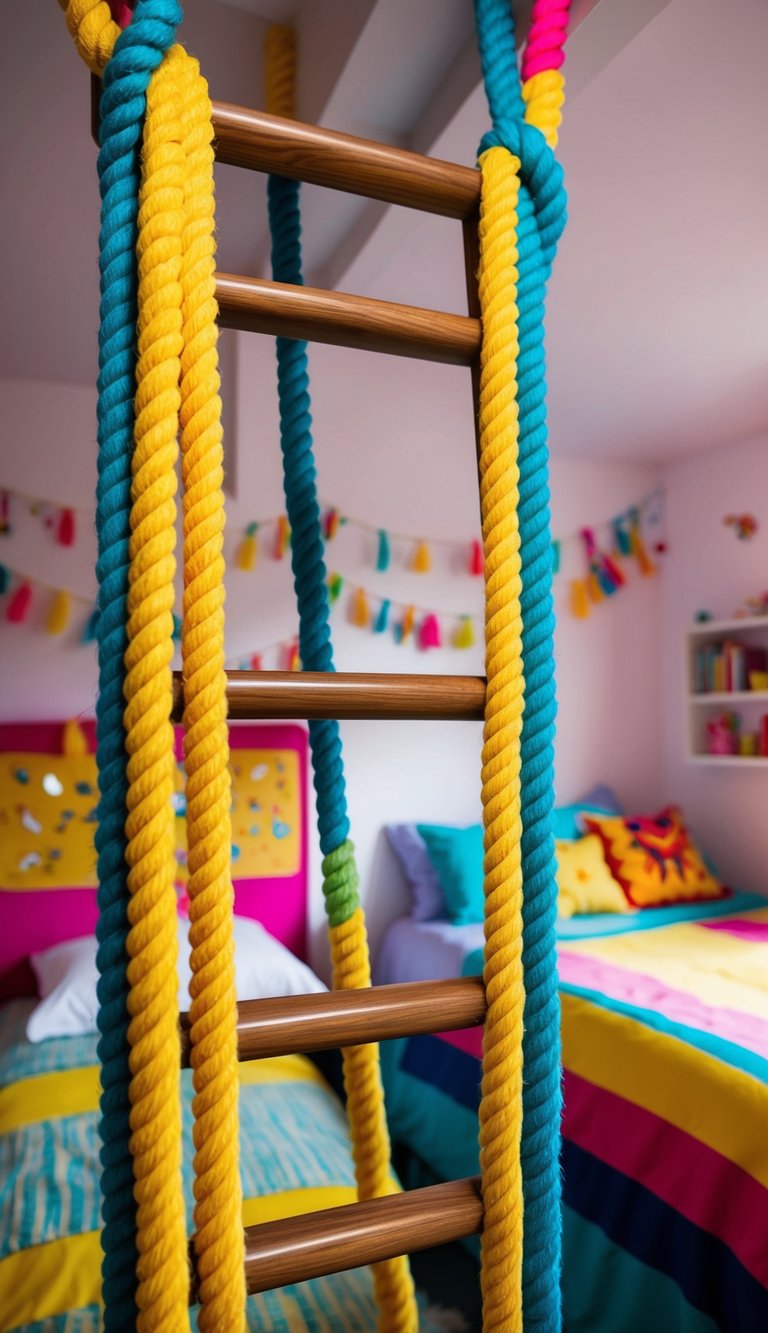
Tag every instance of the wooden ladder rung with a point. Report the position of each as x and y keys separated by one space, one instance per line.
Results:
x=345 y=695
x=252 y=139
x=296 y=1249
x=258 y=305
x=298 y=1024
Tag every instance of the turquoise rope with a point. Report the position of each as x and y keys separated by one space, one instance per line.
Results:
x=307 y=556
x=137 y=53
x=541 y=219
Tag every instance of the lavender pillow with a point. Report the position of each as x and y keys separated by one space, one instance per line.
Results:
x=428 y=902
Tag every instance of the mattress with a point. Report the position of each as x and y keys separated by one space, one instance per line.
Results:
x=665 y=1155
x=295 y=1158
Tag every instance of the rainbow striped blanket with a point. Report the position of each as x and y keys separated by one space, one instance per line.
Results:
x=665 y=1128
x=295 y=1158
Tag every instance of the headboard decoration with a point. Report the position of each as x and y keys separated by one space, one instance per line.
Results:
x=48 y=801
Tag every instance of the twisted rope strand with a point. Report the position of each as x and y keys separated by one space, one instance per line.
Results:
x=162 y=1272
x=525 y=124
x=348 y=940
x=126 y=76
x=219 y=1238
x=500 y=1107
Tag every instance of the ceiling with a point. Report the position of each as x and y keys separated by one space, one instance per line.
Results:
x=657 y=333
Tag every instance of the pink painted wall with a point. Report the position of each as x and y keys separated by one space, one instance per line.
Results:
x=710 y=569
x=394 y=445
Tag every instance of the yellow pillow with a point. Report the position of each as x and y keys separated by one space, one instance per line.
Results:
x=584 y=882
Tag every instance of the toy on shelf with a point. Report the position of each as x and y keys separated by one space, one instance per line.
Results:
x=753 y=606
x=723 y=734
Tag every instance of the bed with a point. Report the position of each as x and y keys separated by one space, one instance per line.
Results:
x=294 y=1141
x=665 y=1152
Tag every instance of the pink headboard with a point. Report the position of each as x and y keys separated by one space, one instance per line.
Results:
x=36 y=917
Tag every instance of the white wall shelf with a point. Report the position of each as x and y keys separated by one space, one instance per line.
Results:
x=702 y=706
x=730 y=697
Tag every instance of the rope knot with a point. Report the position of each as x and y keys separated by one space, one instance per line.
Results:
x=540 y=173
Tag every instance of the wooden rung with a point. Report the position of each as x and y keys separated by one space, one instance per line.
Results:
x=334 y=1239
x=309 y=153
x=298 y=1024
x=342 y=694
x=260 y=306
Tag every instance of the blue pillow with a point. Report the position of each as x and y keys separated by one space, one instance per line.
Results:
x=457 y=855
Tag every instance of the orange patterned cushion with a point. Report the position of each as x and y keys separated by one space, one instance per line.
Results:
x=654 y=859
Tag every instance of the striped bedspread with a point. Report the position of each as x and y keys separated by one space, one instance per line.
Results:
x=295 y=1158
x=665 y=1129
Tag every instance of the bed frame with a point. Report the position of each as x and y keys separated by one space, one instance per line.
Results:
x=285 y=1252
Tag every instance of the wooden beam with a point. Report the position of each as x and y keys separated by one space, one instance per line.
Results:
x=260 y=306
x=298 y=1024
x=246 y=138
x=335 y=1239
x=257 y=695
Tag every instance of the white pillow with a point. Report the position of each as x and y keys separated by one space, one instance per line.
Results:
x=67 y=975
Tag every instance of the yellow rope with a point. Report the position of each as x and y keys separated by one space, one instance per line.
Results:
x=93 y=30
x=348 y=940
x=163 y=1279
x=501 y=1105
x=219 y=1244
x=177 y=344
x=544 y=95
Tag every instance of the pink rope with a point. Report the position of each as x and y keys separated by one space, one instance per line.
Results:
x=122 y=12
x=546 y=37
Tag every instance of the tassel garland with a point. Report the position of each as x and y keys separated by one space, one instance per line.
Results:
x=91 y=627
x=465 y=634
x=382 y=619
x=335 y=585
x=65 y=533
x=422 y=559
x=282 y=537
x=5 y=579
x=19 y=604
x=58 y=613
x=361 y=613
x=579 y=599
x=476 y=559
x=383 y=554
x=429 y=632
x=256 y=662
x=247 y=551
x=331 y=524
x=406 y=626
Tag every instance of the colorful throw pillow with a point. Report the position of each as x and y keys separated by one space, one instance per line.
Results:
x=654 y=858
x=457 y=856
x=584 y=882
x=567 y=820
x=427 y=901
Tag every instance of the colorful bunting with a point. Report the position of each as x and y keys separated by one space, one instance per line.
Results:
x=429 y=632
x=57 y=618
x=422 y=559
x=476 y=558
x=248 y=549
x=382 y=619
x=384 y=553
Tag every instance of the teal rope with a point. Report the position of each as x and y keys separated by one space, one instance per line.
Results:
x=340 y=880
x=541 y=219
x=137 y=53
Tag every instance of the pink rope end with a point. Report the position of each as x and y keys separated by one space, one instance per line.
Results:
x=546 y=37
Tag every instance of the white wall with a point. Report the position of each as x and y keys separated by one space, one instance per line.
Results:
x=395 y=445
x=709 y=569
